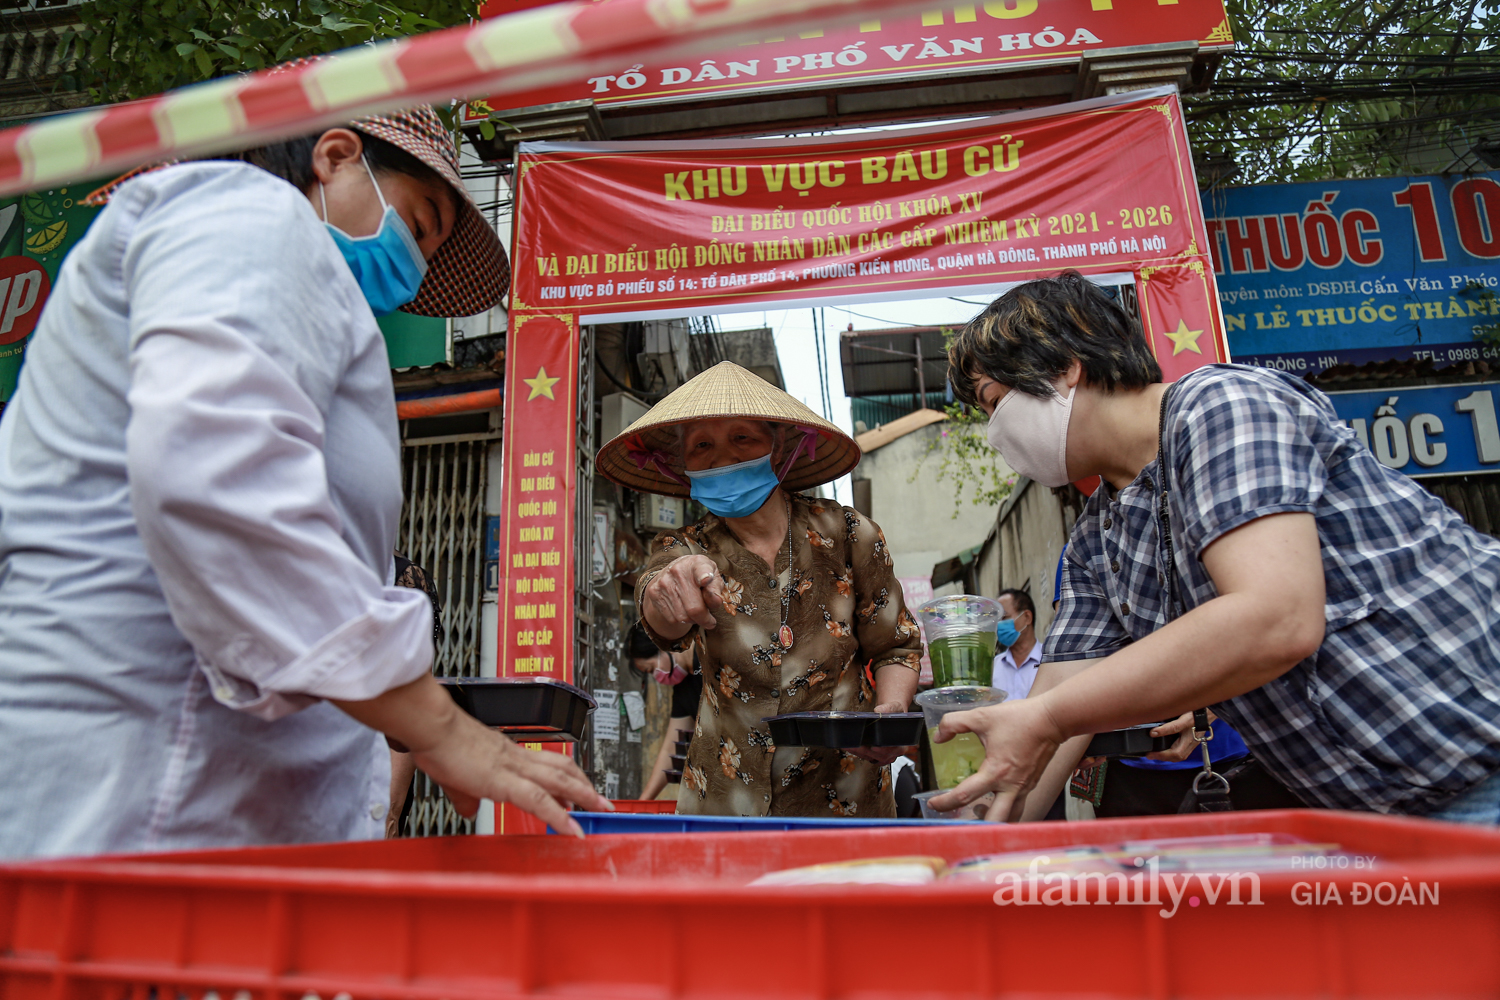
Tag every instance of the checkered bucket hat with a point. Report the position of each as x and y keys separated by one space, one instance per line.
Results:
x=470 y=271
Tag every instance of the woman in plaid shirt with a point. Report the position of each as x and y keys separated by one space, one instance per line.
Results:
x=1340 y=617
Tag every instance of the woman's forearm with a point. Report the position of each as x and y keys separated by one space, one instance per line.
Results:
x=1211 y=654
x=658 y=780
x=895 y=684
x=403 y=772
x=1268 y=617
x=1054 y=779
x=418 y=714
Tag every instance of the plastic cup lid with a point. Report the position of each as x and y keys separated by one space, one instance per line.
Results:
x=952 y=699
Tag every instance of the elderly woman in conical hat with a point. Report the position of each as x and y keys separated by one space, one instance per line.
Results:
x=786 y=597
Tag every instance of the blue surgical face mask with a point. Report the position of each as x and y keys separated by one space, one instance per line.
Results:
x=735 y=490
x=1007 y=633
x=388 y=264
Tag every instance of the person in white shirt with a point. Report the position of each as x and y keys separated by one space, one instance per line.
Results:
x=1017 y=662
x=200 y=486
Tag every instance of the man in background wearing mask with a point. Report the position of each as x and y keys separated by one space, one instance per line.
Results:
x=1016 y=664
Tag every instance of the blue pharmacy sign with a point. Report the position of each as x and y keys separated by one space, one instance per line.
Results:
x=492 y=552
x=1429 y=431
x=1346 y=272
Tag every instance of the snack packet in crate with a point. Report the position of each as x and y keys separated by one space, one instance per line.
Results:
x=1044 y=861
x=1247 y=852
x=865 y=871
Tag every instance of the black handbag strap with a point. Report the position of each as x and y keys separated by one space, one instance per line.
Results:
x=1163 y=508
x=1210 y=792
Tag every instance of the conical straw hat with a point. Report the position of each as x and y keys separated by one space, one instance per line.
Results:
x=646 y=455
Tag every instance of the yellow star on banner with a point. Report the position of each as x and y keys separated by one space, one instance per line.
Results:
x=541 y=385
x=1184 y=339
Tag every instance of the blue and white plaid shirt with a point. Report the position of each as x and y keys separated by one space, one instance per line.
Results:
x=1399 y=709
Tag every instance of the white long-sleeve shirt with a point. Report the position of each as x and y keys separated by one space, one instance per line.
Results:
x=1015 y=679
x=199 y=495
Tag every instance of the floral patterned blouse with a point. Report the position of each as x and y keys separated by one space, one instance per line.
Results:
x=844 y=610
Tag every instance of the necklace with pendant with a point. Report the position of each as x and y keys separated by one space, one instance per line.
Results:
x=784 y=636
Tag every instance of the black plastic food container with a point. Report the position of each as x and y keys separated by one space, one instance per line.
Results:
x=903 y=729
x=527 y=709
x=845 y=730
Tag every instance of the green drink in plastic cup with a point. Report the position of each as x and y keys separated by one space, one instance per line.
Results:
x=960 y=633
x=961 y=756
x=963 y=659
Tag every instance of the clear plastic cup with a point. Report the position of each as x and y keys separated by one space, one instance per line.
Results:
x=961 y=756
x=960 y=632
x=974 y=810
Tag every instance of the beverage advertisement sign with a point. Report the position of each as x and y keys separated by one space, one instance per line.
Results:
x=37 y=230
x=1347 y=272
x=948 y=41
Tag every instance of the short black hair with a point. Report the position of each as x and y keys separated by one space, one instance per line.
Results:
x=1029 y=336
x=1022 y=601
x=640 y=644
x=291 y=159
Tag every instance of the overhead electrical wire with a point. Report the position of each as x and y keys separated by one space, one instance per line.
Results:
x=877 y=319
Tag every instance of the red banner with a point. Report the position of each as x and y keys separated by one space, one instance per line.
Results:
x=956 y=40
x=611 y=230
x=539 y=490
x=1181 y=317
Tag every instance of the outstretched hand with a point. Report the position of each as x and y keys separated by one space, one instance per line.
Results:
x=472 y=762
x=1019 y=740
x=683 y=595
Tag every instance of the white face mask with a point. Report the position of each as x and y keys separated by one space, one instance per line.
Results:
x=1033 y=436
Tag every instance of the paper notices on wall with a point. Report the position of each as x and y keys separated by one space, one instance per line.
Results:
x=607 y=716
x=635 y=708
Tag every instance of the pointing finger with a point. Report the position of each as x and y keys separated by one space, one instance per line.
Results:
x=697 y=611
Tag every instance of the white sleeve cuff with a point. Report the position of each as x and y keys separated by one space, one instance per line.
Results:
x=387 y=646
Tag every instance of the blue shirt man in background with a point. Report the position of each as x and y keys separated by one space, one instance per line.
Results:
x=1017 y=661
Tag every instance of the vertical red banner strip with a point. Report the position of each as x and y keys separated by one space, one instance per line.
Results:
x=1180 y=314
x=538 y=492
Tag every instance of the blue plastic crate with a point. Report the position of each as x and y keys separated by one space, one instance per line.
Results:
x=603 y=822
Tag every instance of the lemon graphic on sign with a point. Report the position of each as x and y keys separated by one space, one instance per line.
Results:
x=36 y=210
x=46 y=240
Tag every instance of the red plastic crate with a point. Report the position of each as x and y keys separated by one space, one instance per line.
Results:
x=670 y=916
x=645 y=805
x=509 y=819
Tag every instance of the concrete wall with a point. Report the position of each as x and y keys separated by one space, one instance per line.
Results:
x=1031 y=527
x=916 y=515
x=754 y=350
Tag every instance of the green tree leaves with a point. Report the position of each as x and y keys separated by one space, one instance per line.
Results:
x=134 y=48
x=1324 y=89
x=965 y=457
